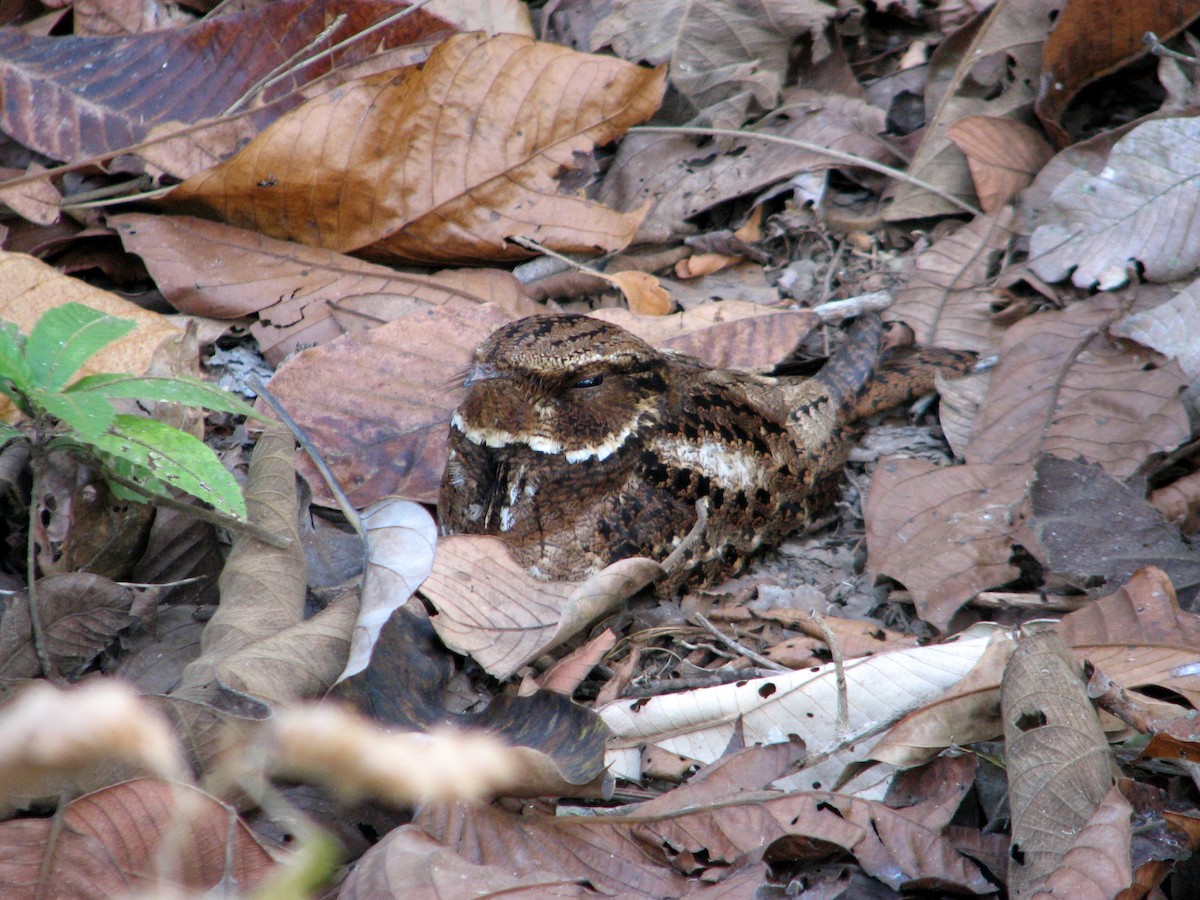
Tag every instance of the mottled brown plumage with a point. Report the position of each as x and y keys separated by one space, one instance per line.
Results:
x=580 y=444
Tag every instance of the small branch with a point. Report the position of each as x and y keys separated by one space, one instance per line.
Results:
x=35 y=616
x=736 y=647
x=1158 y=48
x=839 y=667
x=343 y=501
x=675 y=559
x=839 y=155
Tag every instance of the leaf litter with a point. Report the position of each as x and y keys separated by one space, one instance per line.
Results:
x=842 y=702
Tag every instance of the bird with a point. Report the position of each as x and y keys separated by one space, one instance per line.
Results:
x=579 y=444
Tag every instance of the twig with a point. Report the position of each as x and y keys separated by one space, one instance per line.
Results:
x=712 y=678
x=839 y=155
x=1158 y=48
x=313 y=453
x=736 y=647
x=35 y=617
x=839 y=667
x=839 y=310
x=675 y=559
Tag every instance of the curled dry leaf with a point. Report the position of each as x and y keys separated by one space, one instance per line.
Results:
x=400 y=537
x=442 y=163
x=699 y=724
x=258 y=649
x=141 y=838
x=989 y=68
x=54 y=740
x=1137 y=211
x=1003 y=156
x=359 y=759
x=1073 y=58
x=1059 y=764
x=304 y=296
x=945 y=298
x=683 y=176
x=492 y=610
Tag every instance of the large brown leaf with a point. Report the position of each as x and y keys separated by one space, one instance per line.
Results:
x=145 y=836
x=443 y=163
x=75 y=97
x=304 y=296
x=1063 y=386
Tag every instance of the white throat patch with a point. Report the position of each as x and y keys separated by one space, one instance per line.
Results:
x=497 y=437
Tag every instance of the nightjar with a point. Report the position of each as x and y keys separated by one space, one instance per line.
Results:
x=580 y=444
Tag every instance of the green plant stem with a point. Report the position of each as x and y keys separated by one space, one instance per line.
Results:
x=205 y=515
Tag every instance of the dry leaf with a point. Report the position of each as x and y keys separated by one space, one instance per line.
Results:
x=1138 y=210
x=945 y=533
x=1059 y=764
x=699 y=724
x=723 y=57
x=400 y=537
x=1062 y=386
x=1171 y=328
x=989 y=69
x=704 y=264
x=945 y=297
x=304 y=296
x=1097 y=861
x=492 y=610
x=1003 y=156
x=642 y=292
x=443 y=163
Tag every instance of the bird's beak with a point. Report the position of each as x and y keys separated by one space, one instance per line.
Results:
x=481 y=372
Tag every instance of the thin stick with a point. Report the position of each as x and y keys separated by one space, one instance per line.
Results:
x=839 y=155
x=314 y=454
x=675 y=559
x=839 y=667
x=738 y=648
x=35 y=617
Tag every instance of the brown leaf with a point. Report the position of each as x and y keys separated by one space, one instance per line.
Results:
x=643 y=293
x=304 y=296
x=1097 y=862
x=143 y=836
x=990 y=68
x=1059 y=764
x=722 y=58
x=1003 y=155
x=96 y=86
x=945 y=533
x=377 y=403
x=443 y=163
x=684 y=177
x=1093 y=38
x=1172 y=328
x=492 y=610
x=1062 y=386
x=945 y=298
x=568 y=673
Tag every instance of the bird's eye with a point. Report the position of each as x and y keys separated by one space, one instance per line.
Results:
x=590 y=381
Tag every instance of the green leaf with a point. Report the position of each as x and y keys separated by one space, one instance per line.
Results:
x=13 y=365
x=168 y=456
x=89 y=416
x=64 y=337
x=188 y=391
